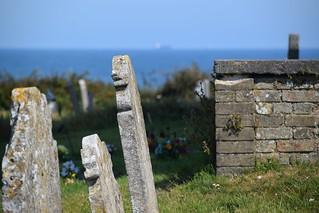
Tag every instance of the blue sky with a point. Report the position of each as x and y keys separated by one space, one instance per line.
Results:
x=140 y=24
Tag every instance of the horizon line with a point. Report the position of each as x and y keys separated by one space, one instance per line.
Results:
x=154 y=49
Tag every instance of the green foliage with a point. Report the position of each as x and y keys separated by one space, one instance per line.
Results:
x=182 y=83
x=103 y=93
x=169 y=108
x=201 y=124
x=266 y=165
x=234 y=124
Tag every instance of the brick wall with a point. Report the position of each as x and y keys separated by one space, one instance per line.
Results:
x=265 y=108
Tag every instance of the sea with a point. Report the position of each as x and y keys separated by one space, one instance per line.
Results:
x=152 y=67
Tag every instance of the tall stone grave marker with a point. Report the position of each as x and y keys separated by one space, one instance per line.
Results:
x=84 y=95
x=104 y=195
x=293 y=49
x=133 y=136
x=30 y=166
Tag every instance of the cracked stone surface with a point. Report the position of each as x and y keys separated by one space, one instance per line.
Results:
x=30 y=166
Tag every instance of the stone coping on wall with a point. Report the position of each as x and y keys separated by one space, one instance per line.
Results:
x=276 y=67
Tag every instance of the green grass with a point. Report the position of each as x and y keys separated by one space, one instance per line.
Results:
x=288 y=189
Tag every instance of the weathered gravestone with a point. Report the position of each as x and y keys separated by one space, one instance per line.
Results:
x=293 y=49
x=104 y=195
x=73 y=97
x=84 y=95
x=133 y=136
x=30 y=167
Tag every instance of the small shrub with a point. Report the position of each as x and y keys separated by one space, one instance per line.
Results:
x=182 y=83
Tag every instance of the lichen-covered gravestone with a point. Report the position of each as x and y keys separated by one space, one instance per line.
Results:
x=133 y=136
x=30 y=167
x=104 y=195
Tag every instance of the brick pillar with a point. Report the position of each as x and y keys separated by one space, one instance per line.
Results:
x=235 y=133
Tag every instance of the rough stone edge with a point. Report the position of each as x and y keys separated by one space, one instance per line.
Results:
x=94 y=175
x=20 y=103
x=128 y=104
x=277 y=67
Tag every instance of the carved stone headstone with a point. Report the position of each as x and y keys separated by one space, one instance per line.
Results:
x=84 y=95
x=293 y=52
x=30 y=166
x=133 y=136
x=104 y=195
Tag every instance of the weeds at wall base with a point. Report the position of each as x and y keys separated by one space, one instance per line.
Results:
x=266 y=165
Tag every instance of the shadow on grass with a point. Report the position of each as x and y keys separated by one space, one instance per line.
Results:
x=169 y=172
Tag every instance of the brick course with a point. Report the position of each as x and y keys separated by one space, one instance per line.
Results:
x=266 y=109
x=234 y=108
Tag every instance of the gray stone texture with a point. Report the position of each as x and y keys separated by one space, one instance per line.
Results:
x=315 y=109
x=264 y=108
x=30 y=166
x=104 y=193
x=234 y=85
x=273 y=133
x=235 y=147
x=234 y=108
x=265 y=146
x=293 y=158
x=267 y=95
x=224 y=96
x=276 y=67
x=244 y=96
x=303 y=108
x=284 y=108
x=303 y=133
x=296 y=145
x=245 y=134
x=300 y=95
x=245 y=120
x=133 y=136
x=301 y=120
x=273 y=120
x=264 y=85
x=234 y=160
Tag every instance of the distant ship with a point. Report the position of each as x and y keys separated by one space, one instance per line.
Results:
x=160 y=46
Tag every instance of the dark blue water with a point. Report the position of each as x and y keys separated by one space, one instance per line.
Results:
x=153 y=66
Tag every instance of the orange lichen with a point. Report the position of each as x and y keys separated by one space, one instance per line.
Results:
x=20 y=94
x=15 y=187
